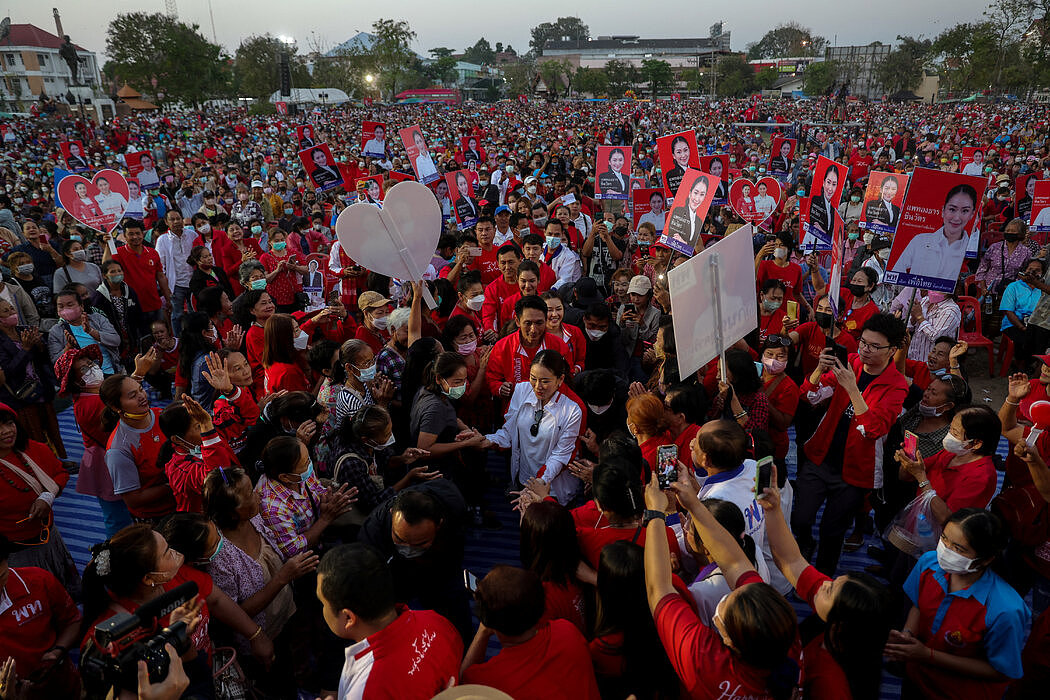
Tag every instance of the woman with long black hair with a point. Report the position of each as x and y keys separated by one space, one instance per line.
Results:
x=550 y=549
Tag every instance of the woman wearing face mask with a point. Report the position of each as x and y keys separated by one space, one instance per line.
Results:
x=375 y=309
x=470 y=297
x=1017 y=304
x=780 y=267
x=390 y=361
x=461 y=336
x=855 y=245
x=250 y=311
x=79 y=375
x=368 y=462
x=813 y=335
x=76 y=269
x=34 y=298
x=771 y=313
x=945 y=653
x=205 y=272
x=284 y=273
x=44 y=257
x=27 y=379
x=284 y=350
x=647 y=424
x=709 y=586
x=85 y=329
x=193 y=448
x=572 y=335
x=853 y=208
x=120 y=305
x=857 y=299
x=294 y=505
x=1004 y=259
x=239 y=249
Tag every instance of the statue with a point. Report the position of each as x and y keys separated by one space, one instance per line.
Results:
x=68 y=52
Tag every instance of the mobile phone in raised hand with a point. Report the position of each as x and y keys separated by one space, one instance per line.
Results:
x=666 y=465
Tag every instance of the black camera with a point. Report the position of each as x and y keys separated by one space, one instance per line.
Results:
x=116 y=646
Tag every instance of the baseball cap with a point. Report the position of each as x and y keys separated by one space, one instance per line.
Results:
x=257 y=183
x=640 y=284
x=370 y=300
x=530 y=179
x=502 y=208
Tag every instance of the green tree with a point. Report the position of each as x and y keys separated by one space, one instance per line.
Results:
x=967 y=56
x=658 y=74
x=499 y=47
x=902 y=68
x=736 y=77
x=395 y=62
x=441 y=52
x=696 y=80
x=145 y=47
x=256 y=67
x=481 y=52
x=592 y=81
x=766 y=78
x=621 y=77
x=520 y=79
x=556 y=76
x=819 y=77
x=1007 y=19
x=787 y=40
x=571 y=27
x=442 y=70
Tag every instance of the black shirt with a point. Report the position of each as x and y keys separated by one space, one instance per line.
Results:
x=836 y=453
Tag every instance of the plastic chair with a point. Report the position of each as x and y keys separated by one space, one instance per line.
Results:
x=1006 y=354
x=976 y=338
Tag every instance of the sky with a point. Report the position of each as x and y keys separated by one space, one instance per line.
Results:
x=326 y=23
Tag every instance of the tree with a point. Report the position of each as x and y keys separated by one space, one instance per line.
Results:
x=499 y=47
x=593 y=81
x=785 y=40
x=766 y=78
x=520 y=78
x=256 y=67
x=555 y=75
x=621 y=77
x=658 y=74
x=392 y=54
x=736 y=77
x=695 y=80
x=146 y=47
x=441 y=52
x=1006 y=19
x=571 y=28
x=967 y=54
x=441 y=70
x=902 y=68
x=819 y=78
x=481 y=52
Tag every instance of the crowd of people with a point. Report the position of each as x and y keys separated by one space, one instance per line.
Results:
x=310 y=443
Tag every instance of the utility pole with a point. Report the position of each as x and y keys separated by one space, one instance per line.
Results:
x=171 y=9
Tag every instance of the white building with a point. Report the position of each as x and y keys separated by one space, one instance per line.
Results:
x=31 y=66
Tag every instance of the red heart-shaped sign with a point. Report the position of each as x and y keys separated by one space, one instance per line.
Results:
x=1040 y=413
x=754 y=202
x=98 y=203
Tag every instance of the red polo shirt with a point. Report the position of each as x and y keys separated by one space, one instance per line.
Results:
x=140 y=272
x=853 y=320
x=487 y=265
x=964 y=486
x=40 y=609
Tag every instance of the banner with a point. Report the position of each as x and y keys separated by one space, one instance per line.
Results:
x=141 y=167
x=972 y=161
x=717 y=165
x=755 y=202
x=305 y=134
x=472 y=150
x=464 y=206
x=321 y=168
x=419 y=155
x=98 y=203
x=1024 y=192
x=282 y=108
x=677 y=153
x=649 y=207
x=686 y=221
x=371 y=187
x=938 y=222
x=1040 y=217
x=73 y=154
x=373 y=139
x=693 y=294
x=780 y=157
x=883 y=199
x=614 y=172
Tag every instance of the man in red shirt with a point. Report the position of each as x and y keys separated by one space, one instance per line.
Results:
x=500 y=289
x=142 y=270
x=860 y=164
x=532 y=249
x=858 y=302
x=537 y=660
x=486 y=263
x=512 y=355
x=399 y=653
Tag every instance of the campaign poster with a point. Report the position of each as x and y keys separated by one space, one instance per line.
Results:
x=829 y=179
x=321 y=168
x=1024 y=191
x=142 y=168
x=755 y=202
x=464 y=206
x=73 y=154
x=718 y=165
x=818 y=240
x=1040 y=216
x=134 y=210
x=282 y=108
x=313 y=285
x=939 y=220
x=686 y=221
x=98 y=203
x=780 y=157
x=883 y=199
x=971 y=162
x=472 y=150
x=650 y=206
x=418 y=154
x=614 y=172
x=372 y=188
x=398 y=177
x=305 y=134
x=676 y=153
x=373 y=139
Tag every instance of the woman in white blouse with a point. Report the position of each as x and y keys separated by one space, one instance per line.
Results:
x=542 y=426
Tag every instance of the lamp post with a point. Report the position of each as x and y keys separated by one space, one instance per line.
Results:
x=371 y=80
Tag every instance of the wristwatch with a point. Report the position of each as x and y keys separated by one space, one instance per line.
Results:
x=652 y=515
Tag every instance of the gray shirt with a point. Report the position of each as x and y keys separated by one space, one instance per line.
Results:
x=90 y=277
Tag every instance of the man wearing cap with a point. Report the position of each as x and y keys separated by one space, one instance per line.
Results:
x=263 y=201
x=639 y=324
x=504 y=234
x=374 y=308
x=189 y=199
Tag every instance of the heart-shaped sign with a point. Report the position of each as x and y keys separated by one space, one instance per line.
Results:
x=98 y=203
x=397 y=240
x=755 y=202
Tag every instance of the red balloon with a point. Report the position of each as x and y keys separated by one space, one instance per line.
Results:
x=1040 y=413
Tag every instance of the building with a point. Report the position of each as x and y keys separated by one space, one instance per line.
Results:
x=595 y=53
x=859 y=66
x=31 y=67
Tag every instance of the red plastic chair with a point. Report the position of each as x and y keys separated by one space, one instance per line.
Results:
x=1006 y=354
x=976 y=338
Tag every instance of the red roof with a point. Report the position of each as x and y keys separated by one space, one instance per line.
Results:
x=31 y=35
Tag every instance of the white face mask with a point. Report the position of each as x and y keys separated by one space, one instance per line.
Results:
x=301 y=340
x=475 y=303
x=599 y=410
x=868 y=238
x=380 y=323
x=952 y=562
x=92 y=376
x=595 y=334
x=955 y=445
x=780 y=253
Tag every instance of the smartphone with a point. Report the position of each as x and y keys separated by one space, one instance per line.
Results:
x=839 y=351
x=470 y=581
x=763 y=476
x=666 y=465
x=628 y=308
x=474 y=252
x=911 y=444
x=792 y=310
x=643 y=249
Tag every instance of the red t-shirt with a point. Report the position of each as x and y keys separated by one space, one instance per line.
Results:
x=17 y=497
x=253 y=344
x=563 y=603
x=1037 y=392
x=853 y=320
x=649 y=449
x=784 y=397
x=771 y=325
x=813 y=341
x=822 y=677
x=593 y=540
x=140 y=272
x=684 y=442
x=964 y=486
x=376 y=342
x=487 y=265
x=704 y=664
x=790 y=275
x=554 y=664
x=40 y=609
x=286 y=376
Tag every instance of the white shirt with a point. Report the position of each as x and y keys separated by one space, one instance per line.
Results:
x=375 y=146
x=583 y=224
x=173 y=251
x=425 y=167
x=943 y=318
x=501 y=238
x=973 y=168
x=551 y=448
x=657 y=220
x=764 y=203
x=931 y=255
x=1042 y=219
x=113 y=203
x=566 y=265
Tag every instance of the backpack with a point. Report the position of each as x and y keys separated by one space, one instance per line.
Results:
x=1025 y=513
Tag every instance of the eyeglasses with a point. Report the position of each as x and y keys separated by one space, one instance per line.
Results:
x=861 y=344
x=537 y=416
x=781 y=340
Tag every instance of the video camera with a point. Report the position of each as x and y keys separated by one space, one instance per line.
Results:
x=111 y=657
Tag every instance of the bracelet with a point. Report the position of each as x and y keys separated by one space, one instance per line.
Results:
x=1012 y=403
x=742 y=414
x=139 y=378
x=257 y=633
x=924 y=484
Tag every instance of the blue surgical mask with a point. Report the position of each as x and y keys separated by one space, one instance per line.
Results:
x=456 y=392
x=758 y=368
x=306 y=474
x=256 y=230
x=368 y=373
x=258 y=284
x=553 y=242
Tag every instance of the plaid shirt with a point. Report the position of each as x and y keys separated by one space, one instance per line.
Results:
x=289 y=514
x=391 y=364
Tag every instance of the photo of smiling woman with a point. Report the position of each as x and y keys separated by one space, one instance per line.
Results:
x=613 y=182
x=687 y=217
